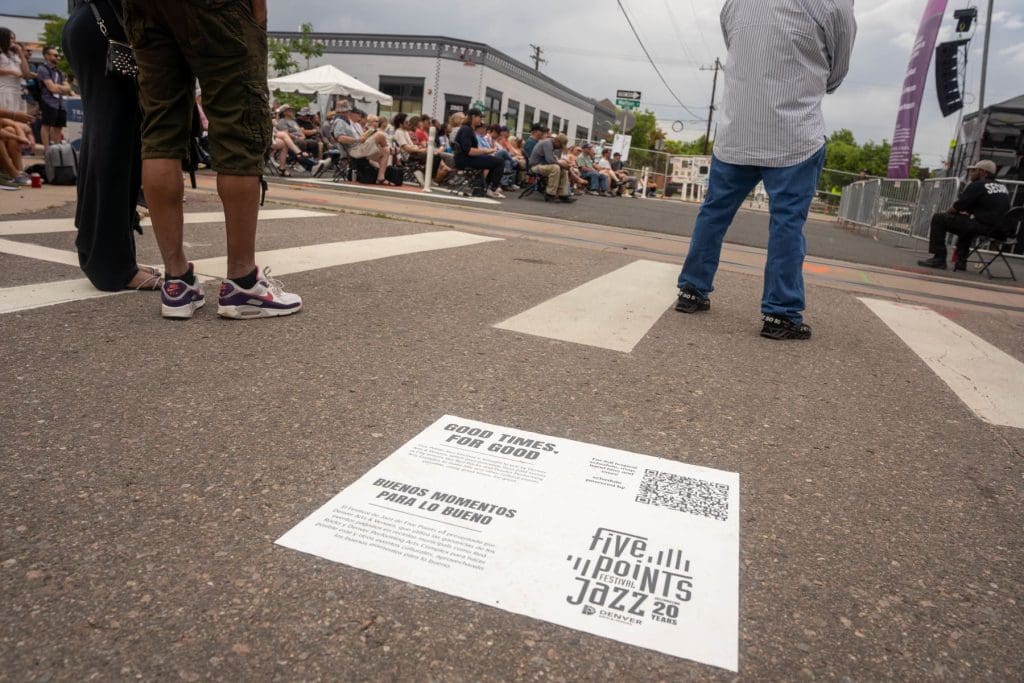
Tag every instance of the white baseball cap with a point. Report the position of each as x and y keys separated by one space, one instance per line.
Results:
x=984 y=165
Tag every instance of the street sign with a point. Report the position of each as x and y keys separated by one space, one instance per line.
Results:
x=627 y=104
x=627 y=94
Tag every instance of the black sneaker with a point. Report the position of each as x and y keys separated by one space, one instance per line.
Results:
x=691 y=301
x=934 y=262
x=777 y=327
x=960 y=266
x=550 y=197
x=566 y=199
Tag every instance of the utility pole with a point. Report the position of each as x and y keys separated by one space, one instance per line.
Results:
x=711 y=110
x=984 y=56
x=537 y=61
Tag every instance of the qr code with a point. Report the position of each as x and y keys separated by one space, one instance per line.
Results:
x=685 y=494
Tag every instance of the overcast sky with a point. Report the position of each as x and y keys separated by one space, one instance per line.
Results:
x=590 y=48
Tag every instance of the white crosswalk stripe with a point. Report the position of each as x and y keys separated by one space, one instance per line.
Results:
x=281 y=261
x=614 y=311
x=25 y=297
x=300 y=259
x=989 y=381
x=40 y=253
x=41 y=226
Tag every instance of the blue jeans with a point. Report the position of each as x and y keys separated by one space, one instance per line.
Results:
x=508 y=177
x=790 y=191
x=598 y=181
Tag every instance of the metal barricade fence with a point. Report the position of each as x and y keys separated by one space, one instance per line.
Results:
x=897 y=200
x=1016 y=188
x=882 y=204
x=848 y=201
x=936 y=196
x=860 y=207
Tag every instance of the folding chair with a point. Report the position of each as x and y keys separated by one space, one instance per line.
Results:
x=535 y=182
x=465 y=181
x=342 y=168
x=1012 y=221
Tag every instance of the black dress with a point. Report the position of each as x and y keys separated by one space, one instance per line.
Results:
x=110 y=160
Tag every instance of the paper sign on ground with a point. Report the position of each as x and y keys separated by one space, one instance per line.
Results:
x=631 y=547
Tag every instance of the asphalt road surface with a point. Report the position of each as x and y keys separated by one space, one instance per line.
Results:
x=148 y=466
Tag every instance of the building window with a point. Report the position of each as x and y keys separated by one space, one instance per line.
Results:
x=556 y=124
x=454 y=103
x=406 y=92
x=582 y=133
x=565 y=126
x=543 y=118
x=512 y=117
x=492 y=101
x=529 y=117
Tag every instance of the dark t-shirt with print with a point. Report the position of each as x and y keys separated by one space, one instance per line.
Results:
x=988 y=200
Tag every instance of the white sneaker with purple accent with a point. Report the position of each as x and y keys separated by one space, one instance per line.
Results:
x=179 y=299
x=266 y=299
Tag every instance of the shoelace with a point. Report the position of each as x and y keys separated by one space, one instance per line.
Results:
x=273 y=284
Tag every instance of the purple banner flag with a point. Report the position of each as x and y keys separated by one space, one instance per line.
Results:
x=913 y=89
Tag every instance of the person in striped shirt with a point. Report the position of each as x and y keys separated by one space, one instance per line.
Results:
x=783 y=57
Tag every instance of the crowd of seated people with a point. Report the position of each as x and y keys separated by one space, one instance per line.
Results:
x=366 y=147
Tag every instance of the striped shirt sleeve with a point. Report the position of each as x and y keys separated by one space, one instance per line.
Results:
x=840 y=33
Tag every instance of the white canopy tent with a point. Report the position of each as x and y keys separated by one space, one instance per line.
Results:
x=324 y=81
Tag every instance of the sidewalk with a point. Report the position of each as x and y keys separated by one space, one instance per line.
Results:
x=28 y=200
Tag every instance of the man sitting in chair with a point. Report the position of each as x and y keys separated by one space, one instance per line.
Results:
x=548 y=162
x=977 y=212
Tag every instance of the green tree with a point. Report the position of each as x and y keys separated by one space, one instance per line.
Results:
x=644 y=136
x=844 y=153
x=281 y=58
x=643 y=130
x=693 y=147
x=306 y=45
x=52 y=30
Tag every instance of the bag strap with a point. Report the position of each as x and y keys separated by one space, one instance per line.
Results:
x=102 y=25
x=100 y=22
x=117 y=15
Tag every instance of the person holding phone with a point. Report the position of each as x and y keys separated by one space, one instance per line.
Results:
x=13 y=68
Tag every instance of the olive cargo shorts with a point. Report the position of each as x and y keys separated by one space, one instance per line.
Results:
x=220 y=43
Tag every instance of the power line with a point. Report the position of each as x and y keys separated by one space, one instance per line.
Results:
x=607 y=55
x=673 y=105
x=679 y=33
x=696 y=22
x=651 y=60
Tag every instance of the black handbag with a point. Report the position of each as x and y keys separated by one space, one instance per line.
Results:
x=120 y=58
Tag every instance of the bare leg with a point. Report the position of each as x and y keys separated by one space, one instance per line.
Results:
x=241 y=198
x=6 y=165
x=44 y=133
x=14 y=151
x=292 y=147
x=164 y=191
